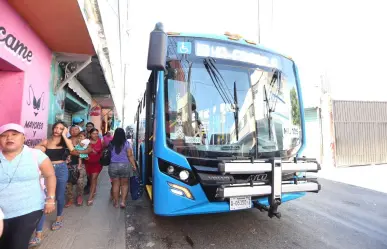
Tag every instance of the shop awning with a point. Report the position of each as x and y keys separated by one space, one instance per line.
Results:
x=59 y=23
x=76 y=86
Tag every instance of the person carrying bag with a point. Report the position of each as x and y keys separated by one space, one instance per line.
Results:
x=121 y=167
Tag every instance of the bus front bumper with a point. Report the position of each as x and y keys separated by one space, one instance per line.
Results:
x=267 y=196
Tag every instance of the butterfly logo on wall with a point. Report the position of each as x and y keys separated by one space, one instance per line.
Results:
x=37 y=104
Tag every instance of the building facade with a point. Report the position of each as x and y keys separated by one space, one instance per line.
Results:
x=24 y=75
x=46 y=77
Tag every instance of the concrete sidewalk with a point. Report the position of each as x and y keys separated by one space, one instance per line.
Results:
x=100 y=226
x=369 y=177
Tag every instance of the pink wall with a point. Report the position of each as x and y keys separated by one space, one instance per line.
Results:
x=34 y=59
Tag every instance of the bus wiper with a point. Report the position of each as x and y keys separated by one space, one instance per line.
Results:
x=236 y=113
x=220 y=87
x=270 y=109
x=275 y=78
x=218 y=83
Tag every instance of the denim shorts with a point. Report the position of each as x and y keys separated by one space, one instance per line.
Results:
x=120 y=170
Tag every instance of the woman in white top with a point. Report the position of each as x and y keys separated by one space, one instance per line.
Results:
x=20 y=168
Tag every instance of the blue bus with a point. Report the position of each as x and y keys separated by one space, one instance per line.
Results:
x=220 y=126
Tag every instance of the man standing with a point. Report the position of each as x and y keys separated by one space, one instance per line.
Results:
x=89 y=126
x=77 y=121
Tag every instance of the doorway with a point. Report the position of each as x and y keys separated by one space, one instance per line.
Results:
x=11 y=93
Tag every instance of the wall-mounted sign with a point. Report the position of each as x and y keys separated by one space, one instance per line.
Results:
x=95 y=111
x=16 y=46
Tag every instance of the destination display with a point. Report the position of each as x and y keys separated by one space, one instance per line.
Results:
x=236 y=53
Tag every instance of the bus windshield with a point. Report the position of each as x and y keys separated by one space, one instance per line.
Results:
x=221 y=108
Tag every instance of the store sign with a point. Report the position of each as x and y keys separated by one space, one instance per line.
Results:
x=15 y=46
x=95 y=111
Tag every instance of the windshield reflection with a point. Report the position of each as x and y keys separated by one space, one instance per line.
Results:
x=202 y=105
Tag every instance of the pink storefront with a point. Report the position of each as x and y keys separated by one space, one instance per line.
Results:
x=24 y=75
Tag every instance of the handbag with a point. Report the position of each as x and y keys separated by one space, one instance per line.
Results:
x=106 y=155
x=136 y=186
x=73 y=174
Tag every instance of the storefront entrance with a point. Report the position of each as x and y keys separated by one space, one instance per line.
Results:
x=11 y=93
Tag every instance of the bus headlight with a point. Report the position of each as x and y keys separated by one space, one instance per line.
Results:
x=184 y=175
x=170 y=169
x=177 y=172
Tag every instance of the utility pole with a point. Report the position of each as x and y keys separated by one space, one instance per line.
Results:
x=123 y=100
x=259 y=25
x=272 y=20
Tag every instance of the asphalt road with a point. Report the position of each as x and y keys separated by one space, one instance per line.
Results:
x=340 y=216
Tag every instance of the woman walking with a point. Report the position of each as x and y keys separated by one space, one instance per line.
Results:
x=57 y=148
x=121 y=166
x=93 y=166
x=74 y=164
x=21 y=195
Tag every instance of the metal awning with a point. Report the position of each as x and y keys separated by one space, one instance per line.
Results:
x=73 y=104
x=76 y=86
x=93 y=78
x=85 y=77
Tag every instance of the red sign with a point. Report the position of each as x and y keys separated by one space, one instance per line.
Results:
x=95 y=111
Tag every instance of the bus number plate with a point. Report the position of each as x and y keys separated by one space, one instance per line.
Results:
x=237 y=203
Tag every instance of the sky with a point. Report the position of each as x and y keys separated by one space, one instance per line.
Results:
x=342 y=40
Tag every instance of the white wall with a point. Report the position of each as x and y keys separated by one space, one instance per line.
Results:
x=111 y=25
x=103 y=36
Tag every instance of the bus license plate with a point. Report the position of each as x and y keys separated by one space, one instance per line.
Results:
x=237 y=203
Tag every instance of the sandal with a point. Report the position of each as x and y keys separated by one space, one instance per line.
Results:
x=35 y=241
x=79 y=201
x=90 y=202
x=56 y=225
x=122 y=205
x=68 y=204
x=115 y=204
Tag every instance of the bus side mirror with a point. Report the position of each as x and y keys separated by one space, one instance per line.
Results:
x=157 y=52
